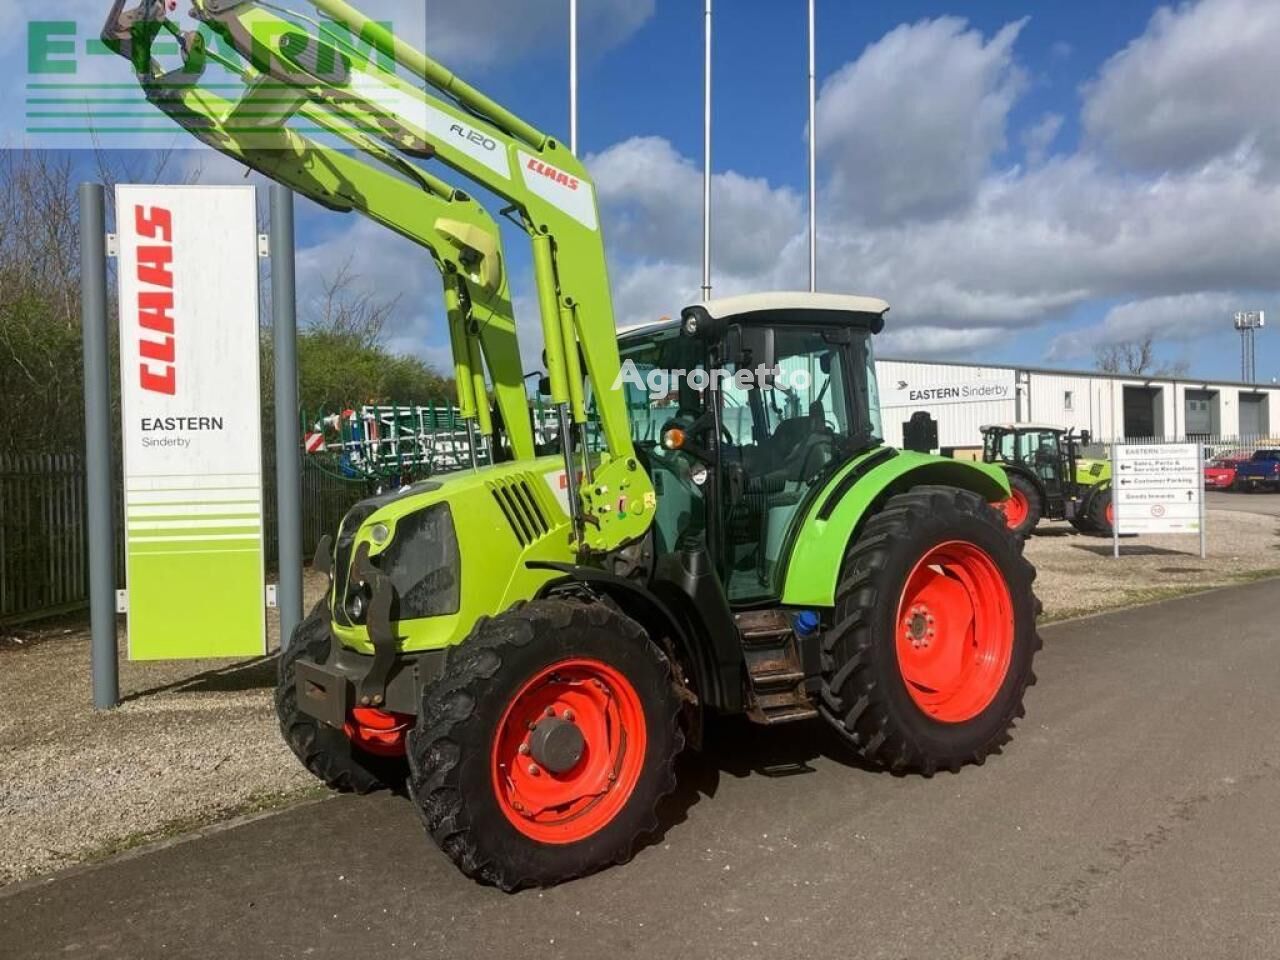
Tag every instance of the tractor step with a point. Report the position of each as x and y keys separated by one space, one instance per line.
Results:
x=774 y=668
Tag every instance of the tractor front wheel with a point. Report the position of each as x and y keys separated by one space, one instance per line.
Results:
x=541 y=753
x=935 y=631
x=1102 y=515
x=1023 y=509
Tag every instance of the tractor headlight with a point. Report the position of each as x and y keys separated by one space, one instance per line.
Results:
x=357 y=605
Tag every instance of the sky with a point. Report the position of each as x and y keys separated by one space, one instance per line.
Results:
x=1023 y=182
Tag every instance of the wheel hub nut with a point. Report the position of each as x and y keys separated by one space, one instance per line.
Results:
x=557 y=744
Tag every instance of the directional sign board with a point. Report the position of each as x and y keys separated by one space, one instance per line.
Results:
x=1158 y=488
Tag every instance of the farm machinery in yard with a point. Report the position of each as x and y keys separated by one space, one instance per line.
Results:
x=1048 y=478
x=529 y=645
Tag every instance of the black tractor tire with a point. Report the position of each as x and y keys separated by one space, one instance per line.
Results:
x=454 y=747
x=865 y=693
x=1021 y=486
x=323 y=750
x=1098 y=506
x=1082 y=523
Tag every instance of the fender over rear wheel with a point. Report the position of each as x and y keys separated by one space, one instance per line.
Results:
x=934 y=634
x=541 y=753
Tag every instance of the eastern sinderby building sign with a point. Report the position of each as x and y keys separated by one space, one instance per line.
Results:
x=189 y=375
x=920 y=391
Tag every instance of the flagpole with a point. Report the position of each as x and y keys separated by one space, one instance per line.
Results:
x=572 y=77
x=813 y=153
x=706 y=154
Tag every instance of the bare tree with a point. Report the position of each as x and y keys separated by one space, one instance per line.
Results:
x=1136 y=358
x=345 y=308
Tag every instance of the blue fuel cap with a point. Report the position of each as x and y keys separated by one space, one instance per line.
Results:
x=806 y=622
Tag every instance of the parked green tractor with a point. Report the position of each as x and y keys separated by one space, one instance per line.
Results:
x=531 y=644
x=1048 y=478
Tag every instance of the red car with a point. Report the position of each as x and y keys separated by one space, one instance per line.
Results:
x=1220 y=474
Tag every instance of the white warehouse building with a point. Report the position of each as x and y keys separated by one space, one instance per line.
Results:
x=964 y=397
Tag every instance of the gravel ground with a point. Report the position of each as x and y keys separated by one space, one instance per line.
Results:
x=193 y=742
x=1077 y=575
x=196 y=741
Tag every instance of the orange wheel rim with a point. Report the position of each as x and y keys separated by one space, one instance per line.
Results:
x=954 y=631
x=1016 y=509
x=568 y=751
x=1111 y=514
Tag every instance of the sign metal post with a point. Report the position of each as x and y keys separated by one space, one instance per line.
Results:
x=1115 y=506
x=101 y=546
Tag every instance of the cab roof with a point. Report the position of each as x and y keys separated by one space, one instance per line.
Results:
x=1023 y=426
x=793 y=302
x=725 y=307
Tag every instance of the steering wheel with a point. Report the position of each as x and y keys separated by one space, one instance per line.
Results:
x=820 y=445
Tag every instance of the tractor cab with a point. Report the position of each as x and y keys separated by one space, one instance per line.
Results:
x=1036 y=447
x=741 y=411
x=1048 y=478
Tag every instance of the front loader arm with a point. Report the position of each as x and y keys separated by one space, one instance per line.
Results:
x=463 y=239
x=326 y=65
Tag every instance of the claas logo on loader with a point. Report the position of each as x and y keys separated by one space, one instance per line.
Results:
x=157 y=373
x=551 y=173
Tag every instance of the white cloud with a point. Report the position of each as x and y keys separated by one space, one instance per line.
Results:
x=652 y=197
x=909 y=128
x=1039 y=137
x=986 y=253
x=1181 y=317
x=1198 y=84
x=939 y=342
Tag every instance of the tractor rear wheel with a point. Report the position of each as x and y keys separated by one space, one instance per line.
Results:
x=935 y=632
x=541 y=753
x=329 y=753
x=1023 y=508
x=1101 y=512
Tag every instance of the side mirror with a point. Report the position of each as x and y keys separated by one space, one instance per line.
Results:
x=696 y=322
x=1086 y=438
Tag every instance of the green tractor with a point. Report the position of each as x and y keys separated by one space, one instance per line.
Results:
x=1048 y=478
x=530 y=645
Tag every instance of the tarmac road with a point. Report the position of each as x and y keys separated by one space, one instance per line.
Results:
x=1265 y=502
x=1136 y=814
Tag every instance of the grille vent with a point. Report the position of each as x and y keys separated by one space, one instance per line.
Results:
x=519 y=504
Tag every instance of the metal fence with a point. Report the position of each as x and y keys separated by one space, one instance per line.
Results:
x=43 y=528
x=42 y=534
